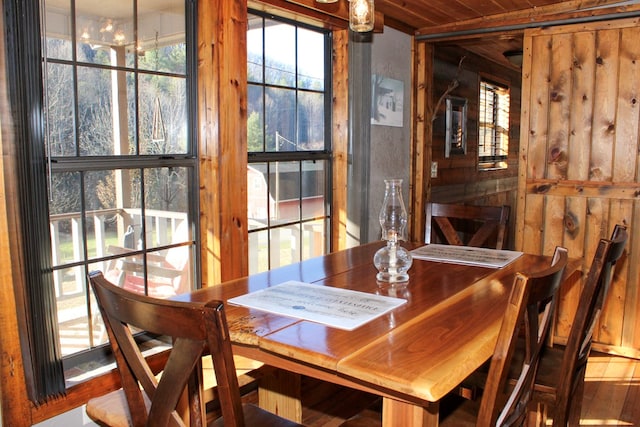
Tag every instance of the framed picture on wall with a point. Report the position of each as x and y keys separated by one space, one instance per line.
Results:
x=387 y=97
x=456 y=126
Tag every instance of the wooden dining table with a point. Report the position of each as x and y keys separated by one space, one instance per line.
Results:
x=412 y=356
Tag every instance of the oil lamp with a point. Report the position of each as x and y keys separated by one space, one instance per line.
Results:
x=393 y=261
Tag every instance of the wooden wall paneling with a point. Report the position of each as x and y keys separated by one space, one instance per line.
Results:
x=582 y=104
x=340 y=138
x=533 y=225
x=629 y=113
x=574 y=234
x=539 y=109
x=553 y=224
x=604 y=124
x=631 y=330
x=612 y=318
x=526 y=104
x=223 y=138
x=625 y=159
x=208 y=148
x=589 y=148
x=230 y=58
x=625 y=164
x=560 y=89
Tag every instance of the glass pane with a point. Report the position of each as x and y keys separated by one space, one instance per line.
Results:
x=126 y=271
x=310 y=121
x=285 y=186
x=313 y=189
x=95 y=121
x=112 y=199
x=161 y=36
x=260 y=204
x=98 y=330
x=167 y=202
x=73 y=319
x=104 y=32
x=258 y=251
x=162 y=107
x=169 y=271
x=310 y=59
x=60 y=114
x=313 y=238
x=255 y=120
x=280 y=119
x=58 y=27
x=285 y=245
x=279 y=53
x=65 y=220
x=254 y=50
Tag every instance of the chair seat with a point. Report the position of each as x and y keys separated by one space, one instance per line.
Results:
x=111 y=410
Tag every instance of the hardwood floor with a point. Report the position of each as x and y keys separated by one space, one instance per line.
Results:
x=611 y=398
x=612 y=392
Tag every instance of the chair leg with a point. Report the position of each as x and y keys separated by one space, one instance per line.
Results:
x=575 y=410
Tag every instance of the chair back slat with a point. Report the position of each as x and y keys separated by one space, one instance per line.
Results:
x=530 y=304
x=468 y=225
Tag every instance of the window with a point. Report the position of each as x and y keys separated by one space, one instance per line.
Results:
x=122 y=165
x=494 y=125
x=289 y=147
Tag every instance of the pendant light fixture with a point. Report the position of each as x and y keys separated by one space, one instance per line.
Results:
x=361 y=14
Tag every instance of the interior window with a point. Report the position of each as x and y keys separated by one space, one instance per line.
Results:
x=493 y=132
x=289 y=147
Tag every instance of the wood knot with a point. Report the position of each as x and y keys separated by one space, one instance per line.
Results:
x=599 y=60
x=542 y=189
x=570 y=223
x=556 y=96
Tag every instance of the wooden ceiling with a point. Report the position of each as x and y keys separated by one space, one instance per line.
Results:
x=491 y=27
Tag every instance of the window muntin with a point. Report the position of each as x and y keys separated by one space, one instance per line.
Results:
x=493 y=135
x=122 y=166
x=288 y=142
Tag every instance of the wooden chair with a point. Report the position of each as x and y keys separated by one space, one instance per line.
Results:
x=195 y=329
x=560 y=382
x=467 y=225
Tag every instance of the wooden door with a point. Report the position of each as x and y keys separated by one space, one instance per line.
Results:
x=579 y=163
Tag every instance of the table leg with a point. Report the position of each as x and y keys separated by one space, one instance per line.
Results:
x=398 y=413
x=279 y=392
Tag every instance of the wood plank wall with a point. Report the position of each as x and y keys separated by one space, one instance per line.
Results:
x=459 y=180
x=578 y=173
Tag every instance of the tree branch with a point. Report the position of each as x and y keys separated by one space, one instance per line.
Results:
x=452 y=86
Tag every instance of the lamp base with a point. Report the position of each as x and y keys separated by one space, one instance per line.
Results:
x=392 y=261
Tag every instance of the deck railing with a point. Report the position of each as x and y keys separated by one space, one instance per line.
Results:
x=103 y=226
